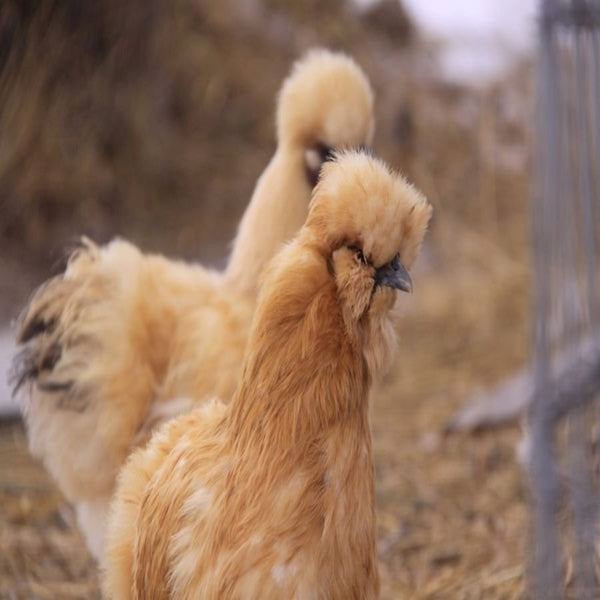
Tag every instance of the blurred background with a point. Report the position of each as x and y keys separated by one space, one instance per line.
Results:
x=152 y=120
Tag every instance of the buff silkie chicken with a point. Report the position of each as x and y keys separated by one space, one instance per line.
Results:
x=273 y=495
x=122 y=340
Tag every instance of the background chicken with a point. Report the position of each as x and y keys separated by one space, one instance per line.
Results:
x=114 y=344
x=273 y=496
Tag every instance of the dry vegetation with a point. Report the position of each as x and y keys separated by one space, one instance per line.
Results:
x=153 y=121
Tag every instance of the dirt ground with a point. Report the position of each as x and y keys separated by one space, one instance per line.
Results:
x=452 y=509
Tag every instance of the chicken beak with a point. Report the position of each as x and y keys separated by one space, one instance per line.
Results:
x=394 y=275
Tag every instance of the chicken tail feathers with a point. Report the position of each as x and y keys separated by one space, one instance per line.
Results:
x=43 y=333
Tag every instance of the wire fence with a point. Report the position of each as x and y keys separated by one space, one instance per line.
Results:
x=564 y=418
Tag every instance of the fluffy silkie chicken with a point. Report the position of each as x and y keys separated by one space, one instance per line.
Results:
x=122 y=340
x=272 y=496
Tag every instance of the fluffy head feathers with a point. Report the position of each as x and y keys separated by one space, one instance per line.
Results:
x=326 y=99
x=360 y=202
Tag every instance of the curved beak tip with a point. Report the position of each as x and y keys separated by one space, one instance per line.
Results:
x=406 y=285
x=394 y=275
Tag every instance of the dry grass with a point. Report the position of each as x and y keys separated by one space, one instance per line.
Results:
x=452 y=510
x=41 y=552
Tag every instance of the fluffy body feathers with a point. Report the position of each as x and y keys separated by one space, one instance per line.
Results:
x=273 y=495
x=123 y=341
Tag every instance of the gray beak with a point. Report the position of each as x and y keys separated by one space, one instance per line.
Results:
x=394 y=275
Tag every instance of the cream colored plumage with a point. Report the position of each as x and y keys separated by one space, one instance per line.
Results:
x=123 y=340
x=273 y=495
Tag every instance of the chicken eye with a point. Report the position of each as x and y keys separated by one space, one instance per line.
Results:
x=359 y=254
x=325 y=152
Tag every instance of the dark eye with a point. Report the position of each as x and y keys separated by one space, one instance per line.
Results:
x=325 y=152
x=359 y=254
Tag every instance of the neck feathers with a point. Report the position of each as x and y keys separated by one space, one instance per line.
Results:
x=302 y=372
x=299 y=431
x=277 y=210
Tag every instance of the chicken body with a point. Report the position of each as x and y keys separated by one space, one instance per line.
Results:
x=123 y=341
x=273 y=495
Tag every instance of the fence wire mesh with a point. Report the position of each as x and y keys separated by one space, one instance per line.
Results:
x=565 y=417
